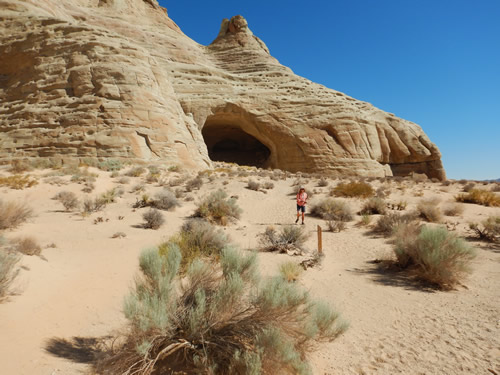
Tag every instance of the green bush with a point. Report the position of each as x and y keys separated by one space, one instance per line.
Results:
x=197 y=238
x=288 y=238
x=374 y=206
x=434 y=255
x=12 y=214
x=218 y=208
x=110 y=165
x=218 y=319
x=482 y=197
x=290 y=271
x=165 y=200
x=353 y=189
x=332 y=209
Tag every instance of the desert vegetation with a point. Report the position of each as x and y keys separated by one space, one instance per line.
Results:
x=12 y=214
x=153 y=219
x=218 y=208
x=8 y=270
x=488 y=229
x=353 y=189
x=332 y=209
x=222 y=319
x=478 y=196
x=286 y=239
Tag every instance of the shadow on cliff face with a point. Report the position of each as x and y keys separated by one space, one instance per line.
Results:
x=229 y=143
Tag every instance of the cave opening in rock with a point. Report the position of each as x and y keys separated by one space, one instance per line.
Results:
x=228 y=142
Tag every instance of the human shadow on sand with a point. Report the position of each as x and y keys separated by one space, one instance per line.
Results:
x=77 y=349
x=384 y=273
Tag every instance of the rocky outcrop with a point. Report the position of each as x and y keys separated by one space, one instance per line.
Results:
x=118 y=79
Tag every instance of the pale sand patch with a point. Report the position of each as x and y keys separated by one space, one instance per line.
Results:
x=396 y=326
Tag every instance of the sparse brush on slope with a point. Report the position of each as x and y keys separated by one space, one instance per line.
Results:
x=488 y=229
x=8 y=269
x=288 y=238
x=482 y=197
x=332 y=209
x=354 y=189
x=219 y=319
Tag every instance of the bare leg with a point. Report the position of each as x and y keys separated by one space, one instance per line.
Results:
x=298 y=215
x=303 y=215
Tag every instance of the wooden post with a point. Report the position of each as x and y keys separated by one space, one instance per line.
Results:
x=320 y=240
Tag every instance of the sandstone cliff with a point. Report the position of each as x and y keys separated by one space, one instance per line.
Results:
x=118 y=79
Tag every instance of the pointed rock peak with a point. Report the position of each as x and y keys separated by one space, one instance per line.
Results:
x=237 y=24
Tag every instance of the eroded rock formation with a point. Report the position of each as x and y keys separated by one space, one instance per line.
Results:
x=118 y=79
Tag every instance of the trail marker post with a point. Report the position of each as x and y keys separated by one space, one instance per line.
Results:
x=320 y=240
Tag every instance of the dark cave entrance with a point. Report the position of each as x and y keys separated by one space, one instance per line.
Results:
x=231 y=144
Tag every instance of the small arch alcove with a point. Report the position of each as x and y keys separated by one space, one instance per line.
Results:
x=227 y=141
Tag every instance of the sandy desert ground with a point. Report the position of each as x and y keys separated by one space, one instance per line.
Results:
x=76 y=287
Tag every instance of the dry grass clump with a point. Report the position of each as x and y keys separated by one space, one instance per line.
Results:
x=433 y=254
x=195 y=183
x=27 y=245
x=20 y=166
x=153 y=218
x=332 y=209
x=8 y=271
x=336 y=226
x=429 y=210
x=81 y=176
x=93 y=205
x=289 y=238
x=353 y=189
x=488 y=229
x=478 y=196
x=268 y=185
x=453 y=209
x=468 y=187
x=390 y=222
x=68 y=199
x=374 y=206
x=13 y=214
x=119 y=235
x=218 y=208
x=18 y=182
x=220 y=319
x=135 y=172
x=253 y=185
x=197 y=238
x=365 y=220
x=495 y=187
x=290 y=271
x=323 y=182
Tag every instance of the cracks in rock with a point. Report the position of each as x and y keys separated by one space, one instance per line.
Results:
x=148 y=143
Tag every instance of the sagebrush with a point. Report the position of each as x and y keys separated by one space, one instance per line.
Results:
x=218 y=208
x=353 y=189
x=289 y=237
x=221 y=319
x=332 y=209
x=12 y=214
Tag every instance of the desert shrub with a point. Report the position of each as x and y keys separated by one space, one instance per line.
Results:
x=137 y=188
x=195 y=183
x=468 y=187
x=93 y=205
x=253 y=185
x=18 y=182
x=197 y=238
x=365 y=220
x=12 y=214
x=268 y=185
x=323 y=182
x=20 y=166
x=478 y=196
x=123 y=180
x=177 y=181
x=382 y=192
x=429 y=210
x=374 y=206
x=8 y=271
x=135 y=172
x=218 y=208
x=434 y=255
x=153 y=219
x=336 y=225
x=390 y=222
x=88 y=187
x=290 y=271
x=332 y=209
x=119 y=235
x=27 y=245
x=110 y=165
x=165 y=200
x=453 y=209
x=488 y=229
x=290 y=237
x=419 y=177
x=495 y=187
x=68 y=199
x=174 y=168
x=353 y=189
x=221 y=319
x=109 y=196
x=80 y=176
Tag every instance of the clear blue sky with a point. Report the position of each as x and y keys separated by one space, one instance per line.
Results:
x=433 y=62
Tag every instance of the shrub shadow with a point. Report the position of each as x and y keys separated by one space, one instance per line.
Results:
x=385 y=273
x=77 y=349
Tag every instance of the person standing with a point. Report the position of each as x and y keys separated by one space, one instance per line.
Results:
x=301 y=204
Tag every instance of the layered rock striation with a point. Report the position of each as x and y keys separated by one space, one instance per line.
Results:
x=118 y=79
